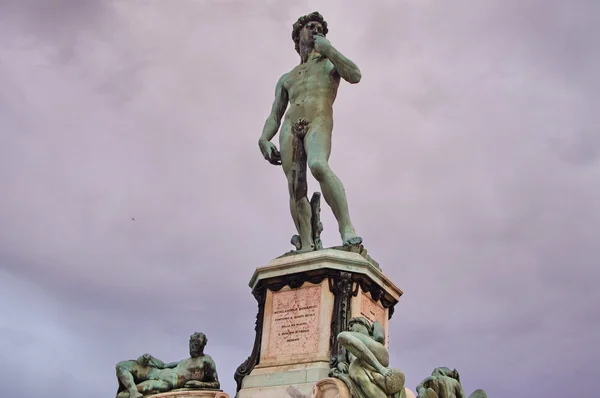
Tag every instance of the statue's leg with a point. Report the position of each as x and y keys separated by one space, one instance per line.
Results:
x=125 y=376
x=294 y=167
x=366 y=349
x=154 y=386
x=363 y=381
x=318 y=148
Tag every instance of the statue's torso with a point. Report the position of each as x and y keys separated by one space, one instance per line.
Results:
x=312 y=88
x=445 y=387
x=194 y=368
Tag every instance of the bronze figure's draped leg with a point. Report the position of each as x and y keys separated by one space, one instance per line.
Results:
x=369 y=369
x=366 y=350
x=125 y=371
x=132 y=374
x=156 y=386
x=369 y=361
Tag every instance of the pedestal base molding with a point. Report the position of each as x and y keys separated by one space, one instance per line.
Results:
x=188 y=393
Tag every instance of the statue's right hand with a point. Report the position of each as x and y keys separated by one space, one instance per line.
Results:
x=269 y=152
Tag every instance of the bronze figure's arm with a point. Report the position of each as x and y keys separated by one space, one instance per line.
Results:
x=272 y=124
x=171 y=365
x=343 y=66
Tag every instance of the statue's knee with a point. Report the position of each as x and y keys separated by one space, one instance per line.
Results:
x=343 y=337
x=319 y=168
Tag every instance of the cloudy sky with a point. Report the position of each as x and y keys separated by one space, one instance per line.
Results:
x=470 y=153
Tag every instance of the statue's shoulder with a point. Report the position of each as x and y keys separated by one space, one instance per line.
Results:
x=207 y=358
x=129 y=363
x=283 y=78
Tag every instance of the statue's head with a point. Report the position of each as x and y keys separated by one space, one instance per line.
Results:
x=306 y=27
x=444 y=371
x=144 y=360
x=360 y=325
x=197 y=343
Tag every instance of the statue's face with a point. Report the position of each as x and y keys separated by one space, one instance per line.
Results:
x=359 y=328
x=309 y=31
x=196 y=348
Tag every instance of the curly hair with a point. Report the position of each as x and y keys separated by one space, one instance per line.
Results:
x=361 y=321
x=303 y=20
x=201 y=337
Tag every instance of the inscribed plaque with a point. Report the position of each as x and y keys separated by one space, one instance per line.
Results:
x=294 y=327
x=371 y=310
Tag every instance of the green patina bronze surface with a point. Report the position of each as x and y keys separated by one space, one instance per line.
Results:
x=366 y=369
x=305 y=129
x=148 y=375
x=445 y=383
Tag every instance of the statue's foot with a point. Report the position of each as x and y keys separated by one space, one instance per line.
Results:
x=296 y=241
x=351 y=239
x=301 y=248
x=306 y=249
x=385 y=372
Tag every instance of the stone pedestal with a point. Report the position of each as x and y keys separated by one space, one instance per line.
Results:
x=304 y=302
x=188 y=393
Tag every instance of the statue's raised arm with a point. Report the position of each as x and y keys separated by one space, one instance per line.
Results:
x=343 y=66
